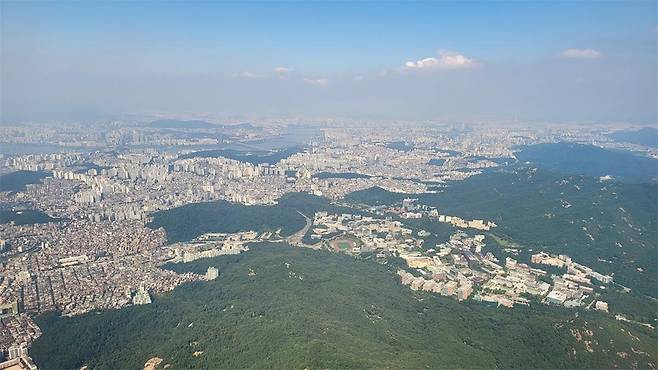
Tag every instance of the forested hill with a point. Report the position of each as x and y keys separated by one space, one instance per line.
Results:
x=607 y=225
x=589 y=160
x=647 y=136
x=18 y=180
x=294 y=308
x=189 y=221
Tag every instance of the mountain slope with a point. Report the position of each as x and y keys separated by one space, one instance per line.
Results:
x=282 y=307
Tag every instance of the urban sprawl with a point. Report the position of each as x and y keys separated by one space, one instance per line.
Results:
x=101 y=186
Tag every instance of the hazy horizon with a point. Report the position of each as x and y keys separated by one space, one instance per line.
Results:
x=475 y=61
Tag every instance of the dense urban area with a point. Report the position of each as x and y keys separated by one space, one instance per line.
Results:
x=81 y=212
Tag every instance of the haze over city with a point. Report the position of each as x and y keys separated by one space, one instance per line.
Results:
x=590 y=61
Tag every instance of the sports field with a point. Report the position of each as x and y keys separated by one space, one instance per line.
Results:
x=342 y=244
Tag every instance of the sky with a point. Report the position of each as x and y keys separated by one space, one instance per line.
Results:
x=469 y=61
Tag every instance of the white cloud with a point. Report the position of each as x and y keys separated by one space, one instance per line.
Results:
x=423 y=63
x=282 y=70
x=444 y=60
x=247 y=74
x=317 y=82
x=581 y=54
x=358 y=78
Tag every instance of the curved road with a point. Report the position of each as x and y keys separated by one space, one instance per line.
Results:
x=296 y=238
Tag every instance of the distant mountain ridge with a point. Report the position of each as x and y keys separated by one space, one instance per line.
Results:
x=175 y=123
x=590 y=160
x=647 y=136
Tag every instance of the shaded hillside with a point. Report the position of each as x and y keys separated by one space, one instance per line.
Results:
x=25 y=217
x=577 y=159
x=255 y=158
x=647 y=136
x=340 y=175
x=191 y=220
x=173 y=123
x=18 y=180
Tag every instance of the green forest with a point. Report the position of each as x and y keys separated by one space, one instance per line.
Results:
x=258 y=157
x=609 y=226
x=25 y=217
x=18 y=180
x=590 y=160
x=282 y=307
x=189 y=221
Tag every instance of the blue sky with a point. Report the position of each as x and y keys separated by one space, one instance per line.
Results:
x=537 y=61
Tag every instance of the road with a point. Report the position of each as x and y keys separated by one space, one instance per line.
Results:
x=296 y=238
